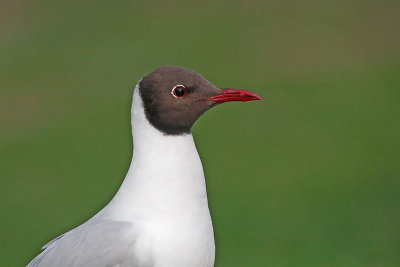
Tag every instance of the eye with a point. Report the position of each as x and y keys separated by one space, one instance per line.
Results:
x=179 y=91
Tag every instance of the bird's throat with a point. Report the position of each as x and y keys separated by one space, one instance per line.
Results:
x=165 y=178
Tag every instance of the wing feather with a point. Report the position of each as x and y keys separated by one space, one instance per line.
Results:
x=99 y=243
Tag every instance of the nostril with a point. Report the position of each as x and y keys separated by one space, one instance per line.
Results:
x=229 y=91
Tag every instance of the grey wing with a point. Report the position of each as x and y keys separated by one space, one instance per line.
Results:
x=98 y=243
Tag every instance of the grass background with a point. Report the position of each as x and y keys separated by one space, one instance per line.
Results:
x=310 y=176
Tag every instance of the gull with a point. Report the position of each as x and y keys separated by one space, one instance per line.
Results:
x=159 y=217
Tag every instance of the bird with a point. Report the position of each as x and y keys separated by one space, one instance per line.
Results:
x=159 y=217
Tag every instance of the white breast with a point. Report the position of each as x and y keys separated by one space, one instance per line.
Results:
x=164 y=193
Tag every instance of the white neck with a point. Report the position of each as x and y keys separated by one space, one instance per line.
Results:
x=165 y=179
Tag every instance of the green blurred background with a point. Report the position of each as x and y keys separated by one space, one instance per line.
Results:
x=310 y=176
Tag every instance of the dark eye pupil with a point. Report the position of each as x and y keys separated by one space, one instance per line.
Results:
x=179 y=91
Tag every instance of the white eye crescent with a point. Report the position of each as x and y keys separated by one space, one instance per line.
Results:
x=179 y=91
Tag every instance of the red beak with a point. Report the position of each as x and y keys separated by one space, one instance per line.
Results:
x=234 y=95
